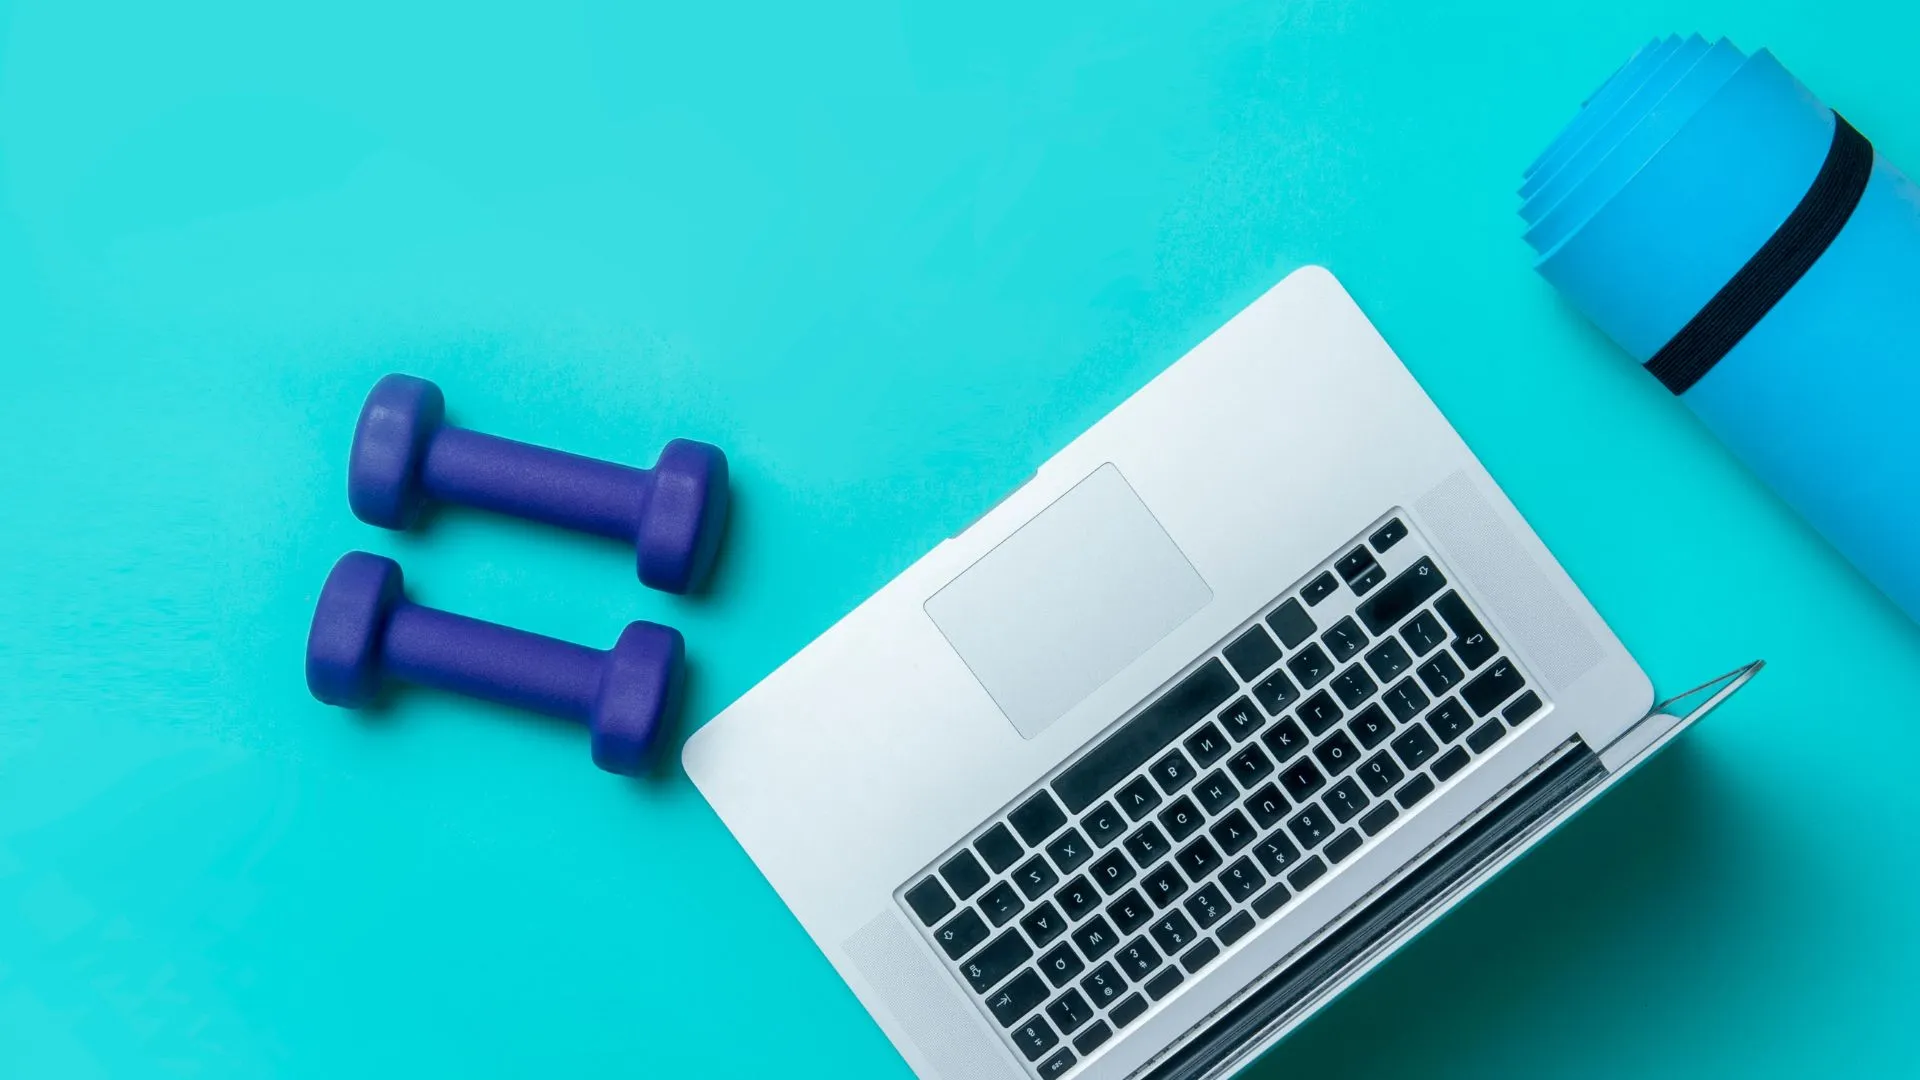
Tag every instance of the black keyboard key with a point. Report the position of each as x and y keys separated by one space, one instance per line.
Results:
x=1164 y=983
x=1199 y=859
x=964 y=874
x=1355 y=563
x=1301 y=779
x=1207 y=906
x=1470 y=639
x=1276 y=852
x=1232 y=832
x=1130 y=912
x=1146 y=845
x=1062 y=965
x=1402 y=596
x=1378 y=818
x=1492 y=686
x=1163 y=885
x=1199 y=956
x=961 y=934
x=1096 y=939
x=1104 y=986
x=1235 y=928
x=1267 y=806
x=1415 y=747
x=1319 y=588
x=1388 y=659
x=1242 y=880
x=1420 y=787
x=1405 y=700
x=1375 y=575
x=1285 y=740
x=1043 y=924
x=984 y=969
x=1523 y=706
x=1059 y=1064
x=1449 y=721
x=1353 y=686
x=930 y=901
x=1037 y=818
x=1441 y=674
x=1034 y=1038
x=1157 y=726
x=1346 y=800
x=1001 y=903
x=1249 y=765
x=1388 y=535
x=1272 y=900
x=1104 y=824
x=1423 y=633
x=1319 y=713
x=1379 y=773
x=1112 y=872
x=1035 y=877
x=1216 y=792
x=1137 y=958
x=1207 y=745
x=1093 y=1038
x=1343 y=845
x=1252 y=653
x=1241 y=719
x=1311 y=666
x=1370 y=725
x=1344 y=640
x=1483 y=737
x=1307 y=873
x=1019 y=997
x=1449 y=763
x=998 y=847
x=1275 y=693
x=1173 y=932
x=1139 y=798
x=1173 y=772
x=1182 y=818
x=1336 y=753
x=1310 y=826
x=1128 y=1010
x=1069 y=850
x=1077 y=898
x=1291 y=623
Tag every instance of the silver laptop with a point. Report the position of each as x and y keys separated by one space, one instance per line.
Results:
x=1241 y=689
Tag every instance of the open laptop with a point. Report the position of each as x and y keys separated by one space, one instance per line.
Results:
x=1244 y=687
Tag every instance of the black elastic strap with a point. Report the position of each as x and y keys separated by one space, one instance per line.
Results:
x=1781 y=262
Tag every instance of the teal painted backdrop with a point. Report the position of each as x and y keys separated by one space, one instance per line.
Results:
x=891 y=256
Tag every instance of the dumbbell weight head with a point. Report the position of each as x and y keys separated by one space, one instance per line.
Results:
x=365 y=632
x=405 y=454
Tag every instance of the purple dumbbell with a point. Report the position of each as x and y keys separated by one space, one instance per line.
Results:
x=365 y=629
x=404 y=453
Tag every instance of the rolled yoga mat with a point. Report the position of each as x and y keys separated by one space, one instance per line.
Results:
x=1741 y=241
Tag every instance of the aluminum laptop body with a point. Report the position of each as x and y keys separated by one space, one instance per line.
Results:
x=1244 y=687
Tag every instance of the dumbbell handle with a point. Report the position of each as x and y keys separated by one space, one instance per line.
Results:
x=486 y=660
x=520 y=479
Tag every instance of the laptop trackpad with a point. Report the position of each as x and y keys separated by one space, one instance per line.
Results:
x=1068 y=601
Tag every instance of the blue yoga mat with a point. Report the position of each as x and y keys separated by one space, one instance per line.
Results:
x=1690 y=190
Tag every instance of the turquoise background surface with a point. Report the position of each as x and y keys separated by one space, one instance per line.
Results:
x=891 y=257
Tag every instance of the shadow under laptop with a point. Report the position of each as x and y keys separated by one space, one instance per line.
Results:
x=1514 y=954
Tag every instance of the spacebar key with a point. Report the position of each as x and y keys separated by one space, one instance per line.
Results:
x=1401 y=596
x=1140 y=738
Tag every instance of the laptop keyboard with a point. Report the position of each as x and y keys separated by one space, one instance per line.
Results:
x=1348 y=702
